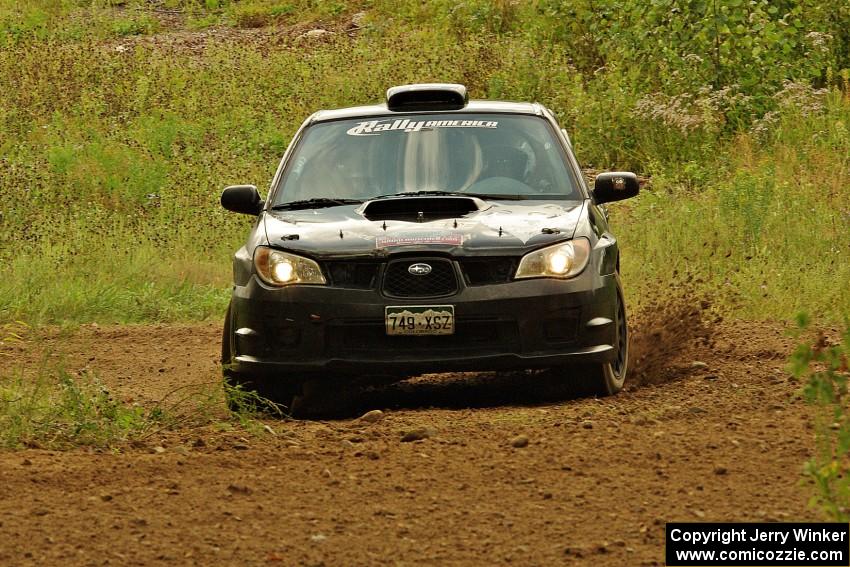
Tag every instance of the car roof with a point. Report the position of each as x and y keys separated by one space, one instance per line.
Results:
x=473 y=107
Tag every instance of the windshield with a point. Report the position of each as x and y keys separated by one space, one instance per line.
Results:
x=515 y=156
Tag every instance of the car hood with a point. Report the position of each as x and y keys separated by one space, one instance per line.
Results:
x=500 y=228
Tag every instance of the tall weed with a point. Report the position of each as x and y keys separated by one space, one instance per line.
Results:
x=58 y=410
x=824 y=368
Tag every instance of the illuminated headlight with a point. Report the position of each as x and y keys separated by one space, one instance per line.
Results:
x=565 y=260
x=279 y=268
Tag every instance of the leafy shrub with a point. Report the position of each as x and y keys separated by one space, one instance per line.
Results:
x=824 y=367
x=680 y=44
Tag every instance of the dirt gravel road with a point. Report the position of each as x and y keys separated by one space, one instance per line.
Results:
x=711 y=429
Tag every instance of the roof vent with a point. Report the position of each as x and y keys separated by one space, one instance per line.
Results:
x=430 y=96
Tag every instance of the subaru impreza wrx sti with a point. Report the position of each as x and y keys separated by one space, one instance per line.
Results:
x=427 y=234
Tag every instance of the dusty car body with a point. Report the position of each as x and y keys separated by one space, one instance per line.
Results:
x=427 y=234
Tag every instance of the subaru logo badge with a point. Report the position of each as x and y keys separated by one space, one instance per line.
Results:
x=419 y=269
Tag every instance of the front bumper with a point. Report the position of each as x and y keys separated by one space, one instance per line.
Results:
x=520 y=324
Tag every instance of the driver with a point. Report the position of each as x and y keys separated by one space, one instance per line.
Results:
x=505 y=161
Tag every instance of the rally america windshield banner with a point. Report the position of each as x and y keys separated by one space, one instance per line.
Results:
x=376 y=127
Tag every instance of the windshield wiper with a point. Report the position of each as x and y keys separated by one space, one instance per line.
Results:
x=413 y=194
x=497 y=196
x=316 y=203
x=451 y=193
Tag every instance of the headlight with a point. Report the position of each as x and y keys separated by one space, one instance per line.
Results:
x=282 y=268
x=564 y=260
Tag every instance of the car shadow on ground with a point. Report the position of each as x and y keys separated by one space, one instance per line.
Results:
x=458 y=391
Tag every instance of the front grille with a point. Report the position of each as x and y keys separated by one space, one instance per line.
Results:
x=399 y=282
x=357 y=275
x=484 y=271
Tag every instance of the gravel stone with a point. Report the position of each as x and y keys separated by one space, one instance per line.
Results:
x=239 y=489
x=519 y=441
x=316 y=34
x=373 y=416
x=417 y=434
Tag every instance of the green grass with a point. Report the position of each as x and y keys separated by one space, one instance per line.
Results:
x=120 y=283
x=112 y=160
x=49 y=407
x=768 y=236
x=46 y=406
x=55 y=409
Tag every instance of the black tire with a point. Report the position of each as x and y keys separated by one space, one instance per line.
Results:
x=608 y=378
x=327 y=397
x=280 y=393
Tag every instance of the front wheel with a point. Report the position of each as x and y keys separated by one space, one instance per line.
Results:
x=246 y=392
x=607 y=379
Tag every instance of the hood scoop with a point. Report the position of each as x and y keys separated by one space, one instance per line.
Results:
x=420 y=209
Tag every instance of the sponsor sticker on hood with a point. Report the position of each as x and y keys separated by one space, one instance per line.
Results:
x=376 y=127
x=416 y=238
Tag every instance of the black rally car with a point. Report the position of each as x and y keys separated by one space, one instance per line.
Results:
x=427 y=234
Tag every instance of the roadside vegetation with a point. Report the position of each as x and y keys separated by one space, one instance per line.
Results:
x=52 y=407
x=55 y=409
x=824 y=366
x=117 y=133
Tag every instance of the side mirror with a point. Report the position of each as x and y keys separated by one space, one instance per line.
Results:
x=243 y=199
x=615 y=186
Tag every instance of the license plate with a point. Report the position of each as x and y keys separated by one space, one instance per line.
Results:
x=420 y=320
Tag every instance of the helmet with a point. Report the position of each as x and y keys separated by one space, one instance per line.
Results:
x=505 y=161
